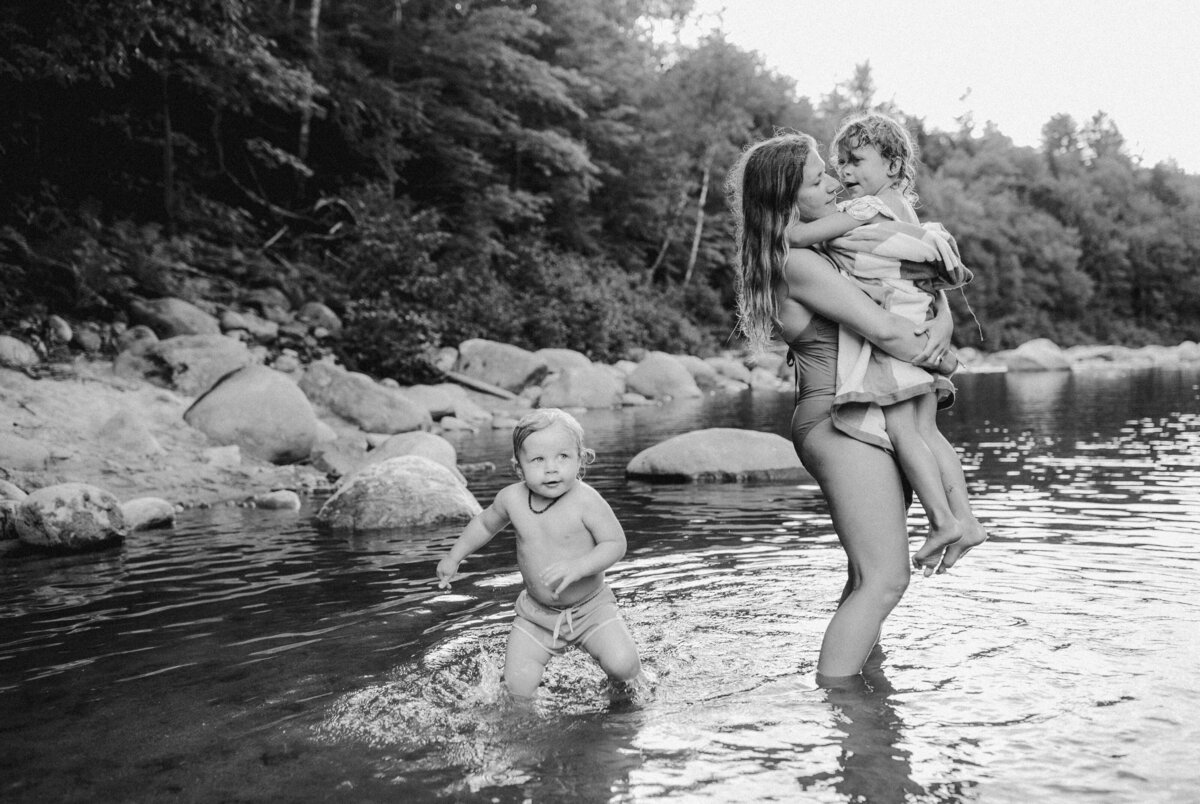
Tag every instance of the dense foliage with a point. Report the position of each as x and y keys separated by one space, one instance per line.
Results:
x=545 y=173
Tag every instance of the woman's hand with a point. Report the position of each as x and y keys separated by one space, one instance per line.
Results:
x=939 y=330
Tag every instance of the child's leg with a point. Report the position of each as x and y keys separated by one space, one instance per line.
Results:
x=921 y=467
x=613 y=648
x=524 y=661
x=955 y=483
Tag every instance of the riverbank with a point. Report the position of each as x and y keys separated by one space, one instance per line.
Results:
x=84 y=422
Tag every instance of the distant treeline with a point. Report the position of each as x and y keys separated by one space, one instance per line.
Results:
x=544 y=173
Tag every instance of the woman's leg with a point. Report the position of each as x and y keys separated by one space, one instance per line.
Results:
x=862 y=486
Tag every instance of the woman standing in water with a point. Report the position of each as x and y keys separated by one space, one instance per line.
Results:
x=797 y=295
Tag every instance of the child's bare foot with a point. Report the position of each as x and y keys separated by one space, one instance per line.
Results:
x=929 y=555
x=973 y=536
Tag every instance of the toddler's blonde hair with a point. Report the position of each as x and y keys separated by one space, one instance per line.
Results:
x=892 y=140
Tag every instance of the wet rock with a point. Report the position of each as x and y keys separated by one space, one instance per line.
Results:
x=169 y=317
x=718 y=454
x=70 y=516
x=261 y=411
x=503 y=365
x=359 y=399
x=399 y=492
x=145 y=513
x=278 y=500
x=660 y=376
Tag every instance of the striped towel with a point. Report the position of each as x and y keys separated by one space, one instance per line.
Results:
x=900 y=266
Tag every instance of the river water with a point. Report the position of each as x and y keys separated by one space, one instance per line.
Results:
x=245 y=656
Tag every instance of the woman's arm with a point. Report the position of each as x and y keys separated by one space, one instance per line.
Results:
x=816 y=284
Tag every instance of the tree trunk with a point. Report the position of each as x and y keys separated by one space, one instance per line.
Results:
x=314 y=20
x=680 y=205
x=168 y=159
x=710 y=154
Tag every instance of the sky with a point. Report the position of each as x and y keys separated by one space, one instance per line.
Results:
x=1016 y=63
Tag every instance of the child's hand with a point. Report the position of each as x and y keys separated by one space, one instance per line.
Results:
x=559 y=575
x=445 y=572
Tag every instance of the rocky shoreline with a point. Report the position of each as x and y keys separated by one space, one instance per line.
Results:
x=205 y=418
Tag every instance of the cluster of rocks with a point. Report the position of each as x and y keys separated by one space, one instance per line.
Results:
x=225 y=402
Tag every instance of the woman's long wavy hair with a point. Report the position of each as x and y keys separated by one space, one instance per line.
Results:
x=761 y=191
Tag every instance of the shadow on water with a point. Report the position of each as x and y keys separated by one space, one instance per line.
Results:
x=246 y=656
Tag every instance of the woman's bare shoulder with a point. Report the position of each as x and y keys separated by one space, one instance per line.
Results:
x=804 y=266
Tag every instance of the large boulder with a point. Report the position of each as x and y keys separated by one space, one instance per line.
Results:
x=730 y=368
x=16 y=353
x=1039 y=354
x=659 y=375
x=189 y=364
x=399 y=492
x=427 y=445
x=145 y=513
x=563 y=359
x=591 y=386
x=170 y=317
x=440 y=400
x=261 y=411
x=357 y=398
x=70 y=516
x=503 y=365
x=705 y=374
x=718 y=454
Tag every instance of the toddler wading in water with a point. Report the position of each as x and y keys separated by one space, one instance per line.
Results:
x=905 y=267
x=567 y=536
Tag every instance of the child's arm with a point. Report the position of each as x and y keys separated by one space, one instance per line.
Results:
x=803 y=234
x=478 y=532
x=859 y=212
x=606 y=530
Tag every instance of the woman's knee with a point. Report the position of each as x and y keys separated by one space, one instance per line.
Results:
x=887 y=588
